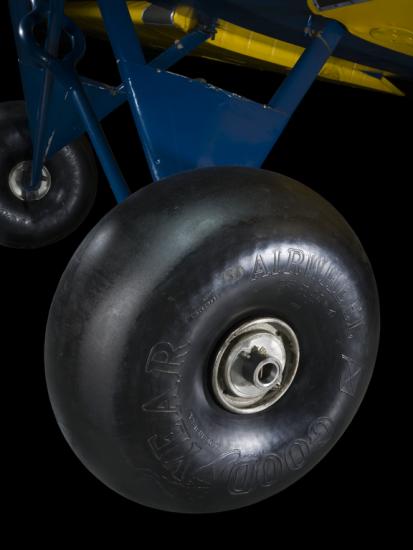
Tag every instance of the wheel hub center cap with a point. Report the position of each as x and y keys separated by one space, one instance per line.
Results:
x=19 y=179
x=255 y=366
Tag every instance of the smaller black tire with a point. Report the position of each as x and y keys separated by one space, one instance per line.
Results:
x=73 y=174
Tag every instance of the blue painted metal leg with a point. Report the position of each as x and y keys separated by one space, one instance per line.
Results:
x=40 y=141
x=129 y=55
x=291 y=92
x=118 y=24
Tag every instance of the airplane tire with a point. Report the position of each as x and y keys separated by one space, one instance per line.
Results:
x=211 y=339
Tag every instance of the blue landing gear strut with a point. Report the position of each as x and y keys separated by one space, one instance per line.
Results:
x=183 y=124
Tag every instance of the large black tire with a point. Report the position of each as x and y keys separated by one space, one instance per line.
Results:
x=34 y=224
x=144 y=305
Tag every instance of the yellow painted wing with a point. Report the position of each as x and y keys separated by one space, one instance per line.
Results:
x=387 y=23
x=233 y=44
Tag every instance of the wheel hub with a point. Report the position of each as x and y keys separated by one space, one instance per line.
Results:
x=255 y=365
x=19 y=179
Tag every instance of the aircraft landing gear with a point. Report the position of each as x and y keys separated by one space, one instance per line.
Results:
x=215 y=333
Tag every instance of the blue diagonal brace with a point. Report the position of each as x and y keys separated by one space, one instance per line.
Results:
x=297 y=83
x=180 y=49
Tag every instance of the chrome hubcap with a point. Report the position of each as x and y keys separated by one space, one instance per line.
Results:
x=19 y=179
x=255 y=365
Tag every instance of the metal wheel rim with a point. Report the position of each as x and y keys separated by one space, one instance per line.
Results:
x=256 y=365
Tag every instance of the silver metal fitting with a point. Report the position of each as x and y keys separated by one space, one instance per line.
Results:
x=19 y=178
x=255 y=365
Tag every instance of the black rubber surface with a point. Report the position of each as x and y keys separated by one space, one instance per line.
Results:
x=146 y=301
x=33 y=224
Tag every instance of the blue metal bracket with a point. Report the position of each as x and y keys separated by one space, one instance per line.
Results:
x=187 y=124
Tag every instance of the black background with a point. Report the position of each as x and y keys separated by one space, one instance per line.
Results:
x=350 y=145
